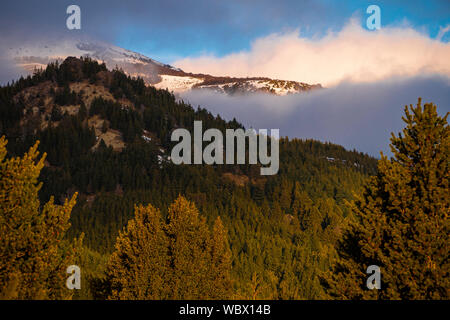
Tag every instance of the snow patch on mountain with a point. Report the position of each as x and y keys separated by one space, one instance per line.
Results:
x=177 y=84
x=277 y=87
x=162 y=76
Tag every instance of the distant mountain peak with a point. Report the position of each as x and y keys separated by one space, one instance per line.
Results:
x=160 y=75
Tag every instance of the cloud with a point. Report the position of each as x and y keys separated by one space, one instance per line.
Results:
x=352 y=54
x=356 y=115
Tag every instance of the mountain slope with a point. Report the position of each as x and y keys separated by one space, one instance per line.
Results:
x=162 y=76
x=107 y=137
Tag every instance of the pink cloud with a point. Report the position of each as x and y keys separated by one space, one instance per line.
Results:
x=352 y=54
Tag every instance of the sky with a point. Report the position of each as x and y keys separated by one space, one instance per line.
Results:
x=172 y=29
x=369 y=75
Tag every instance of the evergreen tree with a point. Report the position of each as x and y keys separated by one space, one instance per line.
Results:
x=34 y=254
x=138 y=266
x=182 y=259
x=221 y=283
x=189 y=239
x=105 y=126
x=56 y=114
x=402 y=221
x=82 y=113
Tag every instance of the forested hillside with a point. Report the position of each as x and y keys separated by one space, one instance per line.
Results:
x=107 y=137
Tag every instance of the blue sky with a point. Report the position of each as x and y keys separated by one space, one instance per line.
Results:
x=169 y=30
x=235 y=25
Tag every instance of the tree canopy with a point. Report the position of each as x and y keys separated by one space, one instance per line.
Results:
x=402 y=222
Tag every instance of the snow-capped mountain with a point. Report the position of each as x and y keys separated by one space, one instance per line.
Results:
x=160 y=75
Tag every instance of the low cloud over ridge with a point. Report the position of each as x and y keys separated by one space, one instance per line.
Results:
x=355 y=115
x=353 y=54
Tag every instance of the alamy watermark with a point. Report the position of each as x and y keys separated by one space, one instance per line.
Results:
x=235 y=147
x=373 y=22
x=74 y=280
x=74 y=20
x=374 y=281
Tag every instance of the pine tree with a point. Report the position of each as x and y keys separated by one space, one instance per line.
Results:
x=138 y=266
x=402 y=221
x=297 y=199
x=220 y=270
x=34 y=254
x=105 y=126
x=276 y=214
x=285 y=195
x=180 y=259
x=56 y=114
x=189 y=237
x=82 y=113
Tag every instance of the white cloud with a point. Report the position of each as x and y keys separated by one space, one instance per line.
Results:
x=353 y=54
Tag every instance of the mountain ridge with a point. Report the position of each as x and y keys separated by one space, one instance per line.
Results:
x=153 y=72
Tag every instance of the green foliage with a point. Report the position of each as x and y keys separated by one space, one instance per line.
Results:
x=402 y=220
x=34 y=254
x=94 y=285
x=180 y=259
x=138 y=267
x=281 y=229
x=64 y=97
